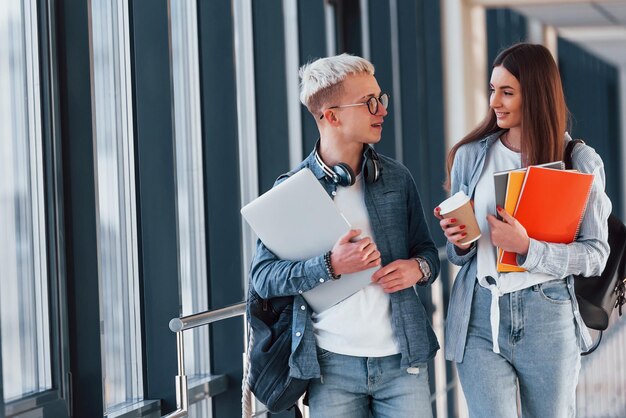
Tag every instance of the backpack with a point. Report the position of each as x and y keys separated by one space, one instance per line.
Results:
x=269 y=349
x=598 y=296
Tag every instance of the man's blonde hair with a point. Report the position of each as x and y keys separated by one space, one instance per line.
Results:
x=321 y=80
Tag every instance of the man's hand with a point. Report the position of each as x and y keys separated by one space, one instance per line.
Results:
x=398 y=275
x=349 y=256
x=508 y=234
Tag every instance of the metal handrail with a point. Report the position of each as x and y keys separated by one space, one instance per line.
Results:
x=207 y=317
x=178 y=325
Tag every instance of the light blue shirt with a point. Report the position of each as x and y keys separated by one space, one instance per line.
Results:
x=586 y=256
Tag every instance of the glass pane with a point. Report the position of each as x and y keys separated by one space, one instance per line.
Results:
x=189 y=184
x=23 y=260
x=200 y=409
x=117 y=226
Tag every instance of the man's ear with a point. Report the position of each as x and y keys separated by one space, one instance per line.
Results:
x=331 y=117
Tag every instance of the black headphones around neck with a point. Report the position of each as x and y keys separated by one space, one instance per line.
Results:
x=343 y=175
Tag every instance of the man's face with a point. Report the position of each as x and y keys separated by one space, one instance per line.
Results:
x=357 y=123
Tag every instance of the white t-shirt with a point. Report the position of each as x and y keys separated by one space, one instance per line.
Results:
x=499 y=158
x=361 y=324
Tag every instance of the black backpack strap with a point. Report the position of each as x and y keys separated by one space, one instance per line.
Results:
x=569 y=149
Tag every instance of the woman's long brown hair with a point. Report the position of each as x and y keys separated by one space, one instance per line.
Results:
x=544 y=112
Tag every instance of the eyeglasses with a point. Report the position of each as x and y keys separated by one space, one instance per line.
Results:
x=372 y=104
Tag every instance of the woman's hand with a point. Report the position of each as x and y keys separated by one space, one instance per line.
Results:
x=453 y=234
x=508 y=233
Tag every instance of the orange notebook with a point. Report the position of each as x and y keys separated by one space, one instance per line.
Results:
x=551 y=205
x=513 y=189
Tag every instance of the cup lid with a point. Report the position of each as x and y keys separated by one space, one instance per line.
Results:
x=453 y=202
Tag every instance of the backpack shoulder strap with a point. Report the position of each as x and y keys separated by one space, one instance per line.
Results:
x=569 y=149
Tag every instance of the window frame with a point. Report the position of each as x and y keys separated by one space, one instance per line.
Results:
x=54 y=402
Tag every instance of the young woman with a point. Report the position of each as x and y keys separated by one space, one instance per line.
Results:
x=520 y=331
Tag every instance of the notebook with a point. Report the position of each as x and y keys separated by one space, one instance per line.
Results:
x=513 y=189
x=551 y=205
x=501 y=178
x=508 y=185
x=296 y=221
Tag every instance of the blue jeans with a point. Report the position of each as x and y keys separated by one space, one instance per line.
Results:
x=354 y=387
x=538 y=352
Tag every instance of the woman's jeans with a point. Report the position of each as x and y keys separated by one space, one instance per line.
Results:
x=538 y=351
x=352 y=387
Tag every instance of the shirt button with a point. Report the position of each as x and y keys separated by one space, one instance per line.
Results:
x=303 y=307
x=300 y=291
x=298 y=334
x=321 y=280
x=334 y=193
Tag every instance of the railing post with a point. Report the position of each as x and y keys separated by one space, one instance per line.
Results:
x=178 y=326
x=182 y=394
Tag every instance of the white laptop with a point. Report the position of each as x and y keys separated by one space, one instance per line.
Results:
x=297 y=220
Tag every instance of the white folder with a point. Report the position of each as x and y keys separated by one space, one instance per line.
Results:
x=296 y=221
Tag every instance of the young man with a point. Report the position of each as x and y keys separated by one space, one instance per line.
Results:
x=369 y=352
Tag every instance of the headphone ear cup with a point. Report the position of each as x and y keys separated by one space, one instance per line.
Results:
x=370 y=169
x=345 y=174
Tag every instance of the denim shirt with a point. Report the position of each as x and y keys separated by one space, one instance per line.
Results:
x=587 y=255
x=400 y=232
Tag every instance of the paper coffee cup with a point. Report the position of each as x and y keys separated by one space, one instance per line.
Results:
x=458 y=206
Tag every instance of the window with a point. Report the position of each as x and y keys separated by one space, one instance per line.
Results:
x=116 y=217
x=24 y=298
x=189 y=182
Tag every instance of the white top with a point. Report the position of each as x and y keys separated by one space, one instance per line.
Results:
x=361 y=324
x=499 y=158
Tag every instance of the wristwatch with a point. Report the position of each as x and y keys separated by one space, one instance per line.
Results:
x=425 y=267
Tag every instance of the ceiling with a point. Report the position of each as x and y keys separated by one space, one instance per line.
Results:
x=597 y=26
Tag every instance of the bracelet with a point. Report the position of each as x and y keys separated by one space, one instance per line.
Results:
x=329 y=267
